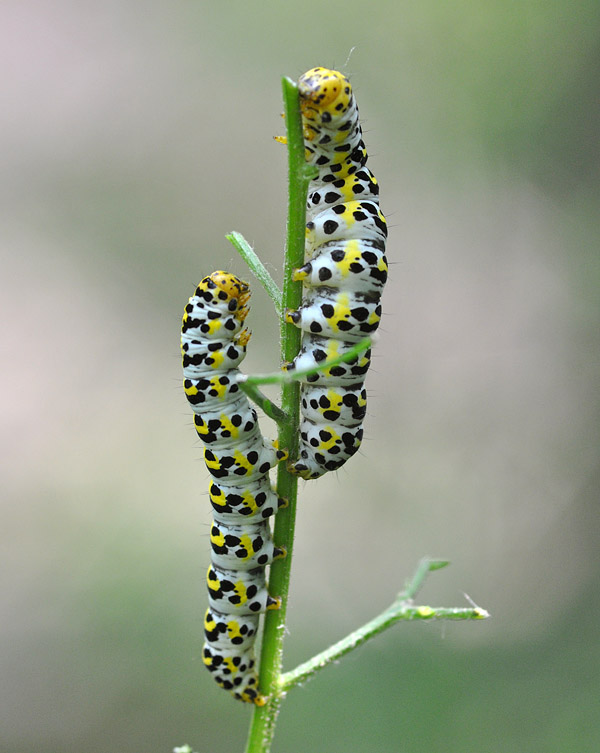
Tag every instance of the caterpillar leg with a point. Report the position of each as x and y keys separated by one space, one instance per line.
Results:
x=273 y=603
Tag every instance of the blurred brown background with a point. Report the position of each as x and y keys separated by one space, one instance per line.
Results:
x=134 y=136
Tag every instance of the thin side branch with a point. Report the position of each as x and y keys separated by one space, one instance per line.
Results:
x=258 y=268
x=288 y=377
x=264 y=403
x=401 y=609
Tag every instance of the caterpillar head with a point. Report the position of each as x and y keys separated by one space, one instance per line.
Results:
x=225 y=290
x=325 y=95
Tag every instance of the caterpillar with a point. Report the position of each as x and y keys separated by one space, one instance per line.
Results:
x=213 y=344
x=343 y=277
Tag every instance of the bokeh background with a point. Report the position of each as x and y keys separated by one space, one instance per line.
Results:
x=134 y=136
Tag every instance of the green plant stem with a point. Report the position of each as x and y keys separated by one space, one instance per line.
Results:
x=414 y=585
x=282 y=377
x=401 y=609
x=258 y=268
x=248 y=383
x=262 y=726
x=264 y=403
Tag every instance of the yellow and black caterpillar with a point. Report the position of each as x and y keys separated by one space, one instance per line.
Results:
x=344 y=274
x=238 y=457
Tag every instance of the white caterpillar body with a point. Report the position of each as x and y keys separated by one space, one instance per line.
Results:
x=213 y=344
x=343 y=277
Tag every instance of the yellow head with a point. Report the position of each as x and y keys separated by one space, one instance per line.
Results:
x=324 y=94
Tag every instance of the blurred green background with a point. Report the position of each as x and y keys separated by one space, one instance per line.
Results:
x=134 y=136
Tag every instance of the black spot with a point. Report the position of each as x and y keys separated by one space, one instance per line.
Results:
x=359 y=155
x=382 y=225
x=360 y=313
x=226 y=585
x=330 y=226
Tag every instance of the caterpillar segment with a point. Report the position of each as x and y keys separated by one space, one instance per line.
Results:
x=238 y=458
x=343 y=276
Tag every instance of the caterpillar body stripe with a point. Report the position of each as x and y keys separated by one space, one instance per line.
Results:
x=344 y=274
x=238 y=457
